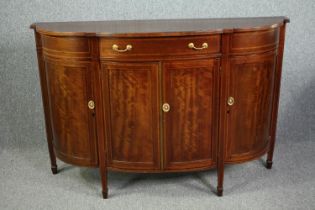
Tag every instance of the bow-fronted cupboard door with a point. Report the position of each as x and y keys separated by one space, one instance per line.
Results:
x=131 y=97
x=68 y=77
x=190 y=113
x=249 y=105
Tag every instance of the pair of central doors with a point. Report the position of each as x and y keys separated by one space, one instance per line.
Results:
x=161 y=115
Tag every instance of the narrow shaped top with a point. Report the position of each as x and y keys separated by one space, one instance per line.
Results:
x=163 y=27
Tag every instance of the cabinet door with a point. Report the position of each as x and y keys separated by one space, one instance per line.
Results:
x=190 y=126
x=73 y=124
x=132 y=114
x=248 y=119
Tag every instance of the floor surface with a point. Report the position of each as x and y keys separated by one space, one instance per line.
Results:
x=26 y=182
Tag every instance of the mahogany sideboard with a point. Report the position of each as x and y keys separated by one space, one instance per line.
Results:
x=160 y=95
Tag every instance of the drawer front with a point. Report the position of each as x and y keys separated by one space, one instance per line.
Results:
x=66 y=47
x=254 y=41
x=159 y=47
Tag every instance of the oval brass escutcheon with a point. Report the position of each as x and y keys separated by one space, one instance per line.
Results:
x=230 y=101
x=166 y=107
x=91 y=104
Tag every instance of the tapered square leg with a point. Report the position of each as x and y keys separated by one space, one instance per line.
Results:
x=103 y=173
x=220 y=174
x=54 y=169
x=52 y=156
x=105 y=194
x=269 y=164
x=219 y=191
x=270 y=154
x=276 y=94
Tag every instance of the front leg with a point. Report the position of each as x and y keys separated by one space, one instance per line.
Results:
x=220 y=174
x=103 y=173
x=53 y=161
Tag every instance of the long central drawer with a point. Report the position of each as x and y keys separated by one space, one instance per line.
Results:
x=112 y=48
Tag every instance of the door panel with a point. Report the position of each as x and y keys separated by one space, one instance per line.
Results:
x=190 y=127
x=73 y=124
x=251 y=85
x=134 y=115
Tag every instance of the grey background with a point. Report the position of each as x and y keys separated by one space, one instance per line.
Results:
x=25 y=179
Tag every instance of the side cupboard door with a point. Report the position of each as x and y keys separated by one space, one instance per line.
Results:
x=132 y=114
x=249 y=105
x=73 y=123
x=190 y=113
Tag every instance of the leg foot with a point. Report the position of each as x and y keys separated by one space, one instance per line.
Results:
x=105 y=194
x=219 y=191
x=54 y=169
x=269 y=164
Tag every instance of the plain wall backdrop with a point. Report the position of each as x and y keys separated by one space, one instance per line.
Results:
x=21 y=112
x=24 y=160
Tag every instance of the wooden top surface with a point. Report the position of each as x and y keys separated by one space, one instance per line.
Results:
x=163 y=27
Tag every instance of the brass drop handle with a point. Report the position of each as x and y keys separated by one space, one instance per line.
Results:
x=203 y=46
x=116 y=48
x=230 y=101
x=166 y=107
x=91 y=104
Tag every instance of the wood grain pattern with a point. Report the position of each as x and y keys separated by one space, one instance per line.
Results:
x=158 y=28
x=134 y=121
x=222 y=110
x=190 y=88
x=255 y=41
x=251 y=85
x=276 y=94
x=159 y=47
x=45 y=100
x=73 y=125
x=127 y=130
x=66 y=44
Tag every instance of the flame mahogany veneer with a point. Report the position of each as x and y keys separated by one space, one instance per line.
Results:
x=160 y=95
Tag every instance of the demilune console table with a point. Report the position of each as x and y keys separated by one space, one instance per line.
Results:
x=160 y=95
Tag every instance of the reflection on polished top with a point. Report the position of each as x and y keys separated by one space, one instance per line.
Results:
x=172 y=27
